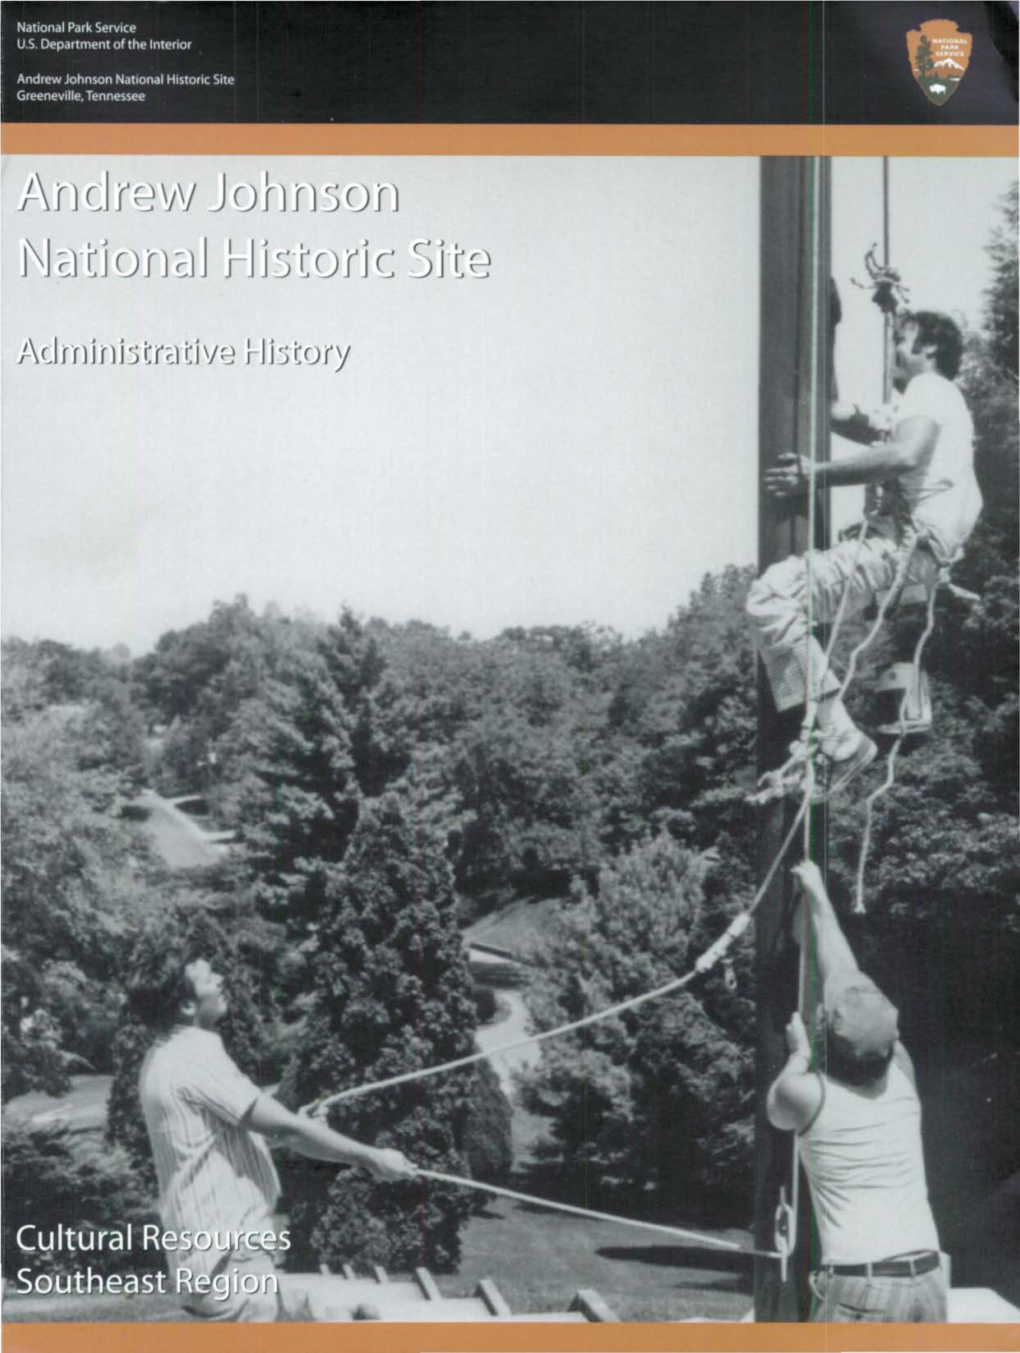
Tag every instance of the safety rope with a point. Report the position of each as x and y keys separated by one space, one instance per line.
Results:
x=675 y=1231
x=890 y=773
x=703 y=964
x=790 y=775
x=793 y=771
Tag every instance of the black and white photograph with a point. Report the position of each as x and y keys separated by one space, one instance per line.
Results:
x=510 y=741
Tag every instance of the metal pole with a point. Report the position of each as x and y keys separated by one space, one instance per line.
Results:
x=793 y=410
x=871 y=494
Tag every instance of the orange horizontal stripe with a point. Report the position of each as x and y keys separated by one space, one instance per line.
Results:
x=106 y=138
x=500 y=1338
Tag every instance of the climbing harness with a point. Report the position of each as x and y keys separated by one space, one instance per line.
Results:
x=790 y=776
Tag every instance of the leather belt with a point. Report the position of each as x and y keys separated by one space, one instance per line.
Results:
x=911 y=1267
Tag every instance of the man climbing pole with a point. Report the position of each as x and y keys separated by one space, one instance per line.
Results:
x=859 y=1123
x=929 y=505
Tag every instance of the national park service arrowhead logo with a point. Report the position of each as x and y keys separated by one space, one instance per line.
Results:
x=939 y=56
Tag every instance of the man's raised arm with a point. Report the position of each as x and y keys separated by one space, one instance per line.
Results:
x=832 y=951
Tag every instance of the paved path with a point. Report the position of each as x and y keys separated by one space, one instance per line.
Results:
x=179 y=839
x=508 y=1031
x=82 y=1109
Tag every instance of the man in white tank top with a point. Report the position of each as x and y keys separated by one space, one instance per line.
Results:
x=859 y=1120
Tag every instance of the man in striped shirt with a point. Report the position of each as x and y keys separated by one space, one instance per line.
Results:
x=208 y=1125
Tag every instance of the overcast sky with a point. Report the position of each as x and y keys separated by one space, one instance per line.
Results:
x=572 y=439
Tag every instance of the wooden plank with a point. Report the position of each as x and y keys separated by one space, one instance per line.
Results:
x=427 y=1284
x=493 y=1298
x=592 y=1307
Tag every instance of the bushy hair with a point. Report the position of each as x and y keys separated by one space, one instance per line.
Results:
x=158 y=985
x=943 y=334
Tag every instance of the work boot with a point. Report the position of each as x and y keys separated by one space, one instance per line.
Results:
x=835 y=768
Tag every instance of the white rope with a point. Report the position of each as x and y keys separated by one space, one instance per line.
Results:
x=674 y=1231
x=890 y=773
x=801 y=750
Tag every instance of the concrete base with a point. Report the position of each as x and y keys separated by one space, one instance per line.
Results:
x=980 y=1306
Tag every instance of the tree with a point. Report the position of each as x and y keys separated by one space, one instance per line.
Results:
x=392 y=993
x=1001 y=309
x=488 y=1137
x=52 y=1179
x=292 y=792
x=69 y=894
x=662 y=1095
x=923 y=58
x=696 y=733
x=185 y=664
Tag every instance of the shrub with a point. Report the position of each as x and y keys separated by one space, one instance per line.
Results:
x=486 y=1004
x=51 y=1178
x=488 y=1144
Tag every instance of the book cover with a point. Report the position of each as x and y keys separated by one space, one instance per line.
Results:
x=398 y=399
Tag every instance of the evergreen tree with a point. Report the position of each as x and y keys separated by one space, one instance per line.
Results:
x=1001 y=309
x=392 y=993
x=293 y=795
x=69 y=902
x=662 y=1095
x=923 y=58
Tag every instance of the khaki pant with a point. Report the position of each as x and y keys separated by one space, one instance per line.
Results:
x=780 y=608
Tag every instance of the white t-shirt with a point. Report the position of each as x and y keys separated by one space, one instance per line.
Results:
x=942 y=494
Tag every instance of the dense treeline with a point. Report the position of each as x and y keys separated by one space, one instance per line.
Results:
x=389 y=783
